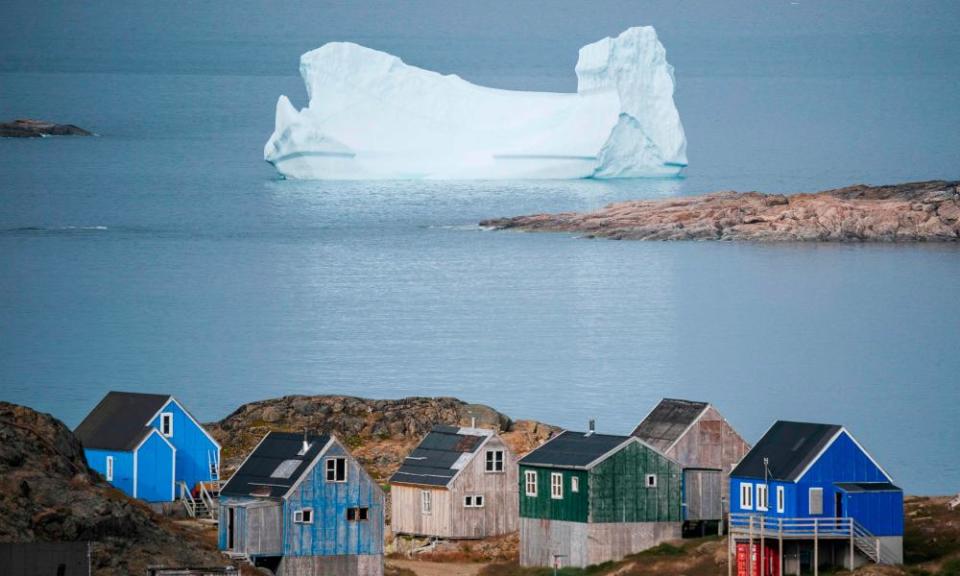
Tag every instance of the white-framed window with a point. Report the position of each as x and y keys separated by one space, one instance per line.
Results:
x=650 y=481
x=781 y=500
x=473 y=501
x=426 y=502
x=762 y=498
x=746 y=496
x=530 y=483
x=574 y=484
x=109 y=468
x=816 y=501
x=304 y=516
x=166 y=424
x=336 y=469
x=494 y=461
x=556 y=485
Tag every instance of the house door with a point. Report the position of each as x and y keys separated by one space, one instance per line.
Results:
x=838 y=507
x=231 y=518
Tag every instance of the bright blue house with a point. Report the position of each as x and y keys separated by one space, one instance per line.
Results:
x=814 y=484
x=148 y=444
x=301 y=504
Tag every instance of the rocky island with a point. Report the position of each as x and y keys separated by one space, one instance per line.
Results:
x=39 y=128
x=913 y=212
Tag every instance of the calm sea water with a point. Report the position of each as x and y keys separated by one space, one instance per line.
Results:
x=166 y=256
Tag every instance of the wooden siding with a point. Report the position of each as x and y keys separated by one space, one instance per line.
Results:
x=258 y=526
x=449 y=517
x=192 y=444
x=154 y=470
x=353 y=565
x=618 y=492
x=702 y=494
x=581 y=544
x=331 y=534
x=574 y=507
x=710 y=443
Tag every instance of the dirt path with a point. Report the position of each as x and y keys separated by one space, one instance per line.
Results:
x=422 y=568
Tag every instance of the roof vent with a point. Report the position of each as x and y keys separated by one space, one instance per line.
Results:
x=591 y=428
x=305 y=447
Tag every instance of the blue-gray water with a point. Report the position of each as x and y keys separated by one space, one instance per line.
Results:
x=164 y=255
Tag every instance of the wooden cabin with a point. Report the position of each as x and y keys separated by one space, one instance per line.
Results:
x=148 y=445
x=697 y=436
x=809 y=495
x=587 y=498
x=458 y=483
x=303 y=506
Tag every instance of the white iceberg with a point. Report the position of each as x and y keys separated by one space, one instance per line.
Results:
x=373 y=116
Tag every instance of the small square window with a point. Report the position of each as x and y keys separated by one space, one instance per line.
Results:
x=468 y=501
x=336 y=470
x=357 y=514
x=304 y=516
x=494 y=461
x=473 y=501
x=478 y=501
x=650 y=481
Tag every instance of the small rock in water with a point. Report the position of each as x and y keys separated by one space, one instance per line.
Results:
x=26 y=128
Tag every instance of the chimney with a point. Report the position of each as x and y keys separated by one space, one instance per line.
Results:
x=591 y=428
x=473 y=421
x=306 y=444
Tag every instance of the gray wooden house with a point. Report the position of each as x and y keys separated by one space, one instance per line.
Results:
x=588 y=498
x=303 y=506
x=697 y=436
x=457 y=483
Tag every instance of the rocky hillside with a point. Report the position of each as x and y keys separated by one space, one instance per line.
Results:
x=379 y=432
x=47 y=493
x=915 y=212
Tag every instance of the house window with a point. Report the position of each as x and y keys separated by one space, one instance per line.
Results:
x=109 y=468
x=746 y=496
x=166 y=424
x=781 y=500
x=556 y=485
x=336 y=469
x=474 y=501
x=650 y=481
x=304 y=516
x=816 y=501
x=762 y=500
x=574 y=484
x=426 y=502
x=357 y=514
x=494 y=460
x=530 y=483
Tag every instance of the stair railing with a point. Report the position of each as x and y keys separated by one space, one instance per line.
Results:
x=187 y=498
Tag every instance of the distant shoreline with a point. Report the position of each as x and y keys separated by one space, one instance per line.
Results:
x=912 y=212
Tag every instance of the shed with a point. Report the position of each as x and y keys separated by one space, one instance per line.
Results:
x=458 y=483
x=587 y=498
x=303 y=505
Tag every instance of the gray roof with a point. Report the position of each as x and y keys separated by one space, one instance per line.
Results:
x=789 y=448
x=668 y=421
x=443 y=452
x=867 y=487
x=573 y=449
x=120 y=421
x=261 y=474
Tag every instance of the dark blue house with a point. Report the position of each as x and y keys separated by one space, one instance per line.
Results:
x=301 y=504
x=147 y=445
x=815 y=486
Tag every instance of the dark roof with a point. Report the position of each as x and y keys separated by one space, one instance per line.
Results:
x=867 y=487
x=668 y=421
x=789 y=446
x=255 y=477
x=119 y=422
x=443 y=452
x=573 y=449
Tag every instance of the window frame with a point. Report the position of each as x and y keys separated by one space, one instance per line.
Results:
x=530 y=480
x=746 y=489
x=574 y=484
x=327 y=469
x=556 y=485
x=360 y=514
x=495 y=461
x=426 y=502
x=108 y=473
x=762 y=504
x=473 y=501
x=166 y=421
x=647 y=483
x=298 y=516
x=781 y=500
x=810 y=492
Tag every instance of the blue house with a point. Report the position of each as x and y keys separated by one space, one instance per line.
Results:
x=301 y=504
x=148 y=444
x=815 y=490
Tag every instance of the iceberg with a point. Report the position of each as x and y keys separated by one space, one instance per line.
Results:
x=371 y=116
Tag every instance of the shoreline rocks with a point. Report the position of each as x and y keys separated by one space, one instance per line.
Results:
x=913 y=212
x=28 y=128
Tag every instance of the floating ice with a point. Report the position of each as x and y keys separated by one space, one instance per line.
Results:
x=373 y=116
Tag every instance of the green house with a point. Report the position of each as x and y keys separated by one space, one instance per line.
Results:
x=587 y=498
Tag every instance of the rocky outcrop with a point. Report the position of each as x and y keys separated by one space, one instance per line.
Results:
x=47 y=493
x=38 y=128
x=916 y=212
x=380 y=433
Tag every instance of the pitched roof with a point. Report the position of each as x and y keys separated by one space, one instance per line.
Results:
x=120 y=421
x=442 y=453
x=573 y=449
x=867 y=487
x=274 y=465
x=668 y=421
x=789 y=447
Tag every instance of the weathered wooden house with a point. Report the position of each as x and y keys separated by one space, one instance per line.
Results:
x=587 y=498
x=147 y=445
x=697 y=436
x=303 y=506
x=809 y=495
x=457 y=483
